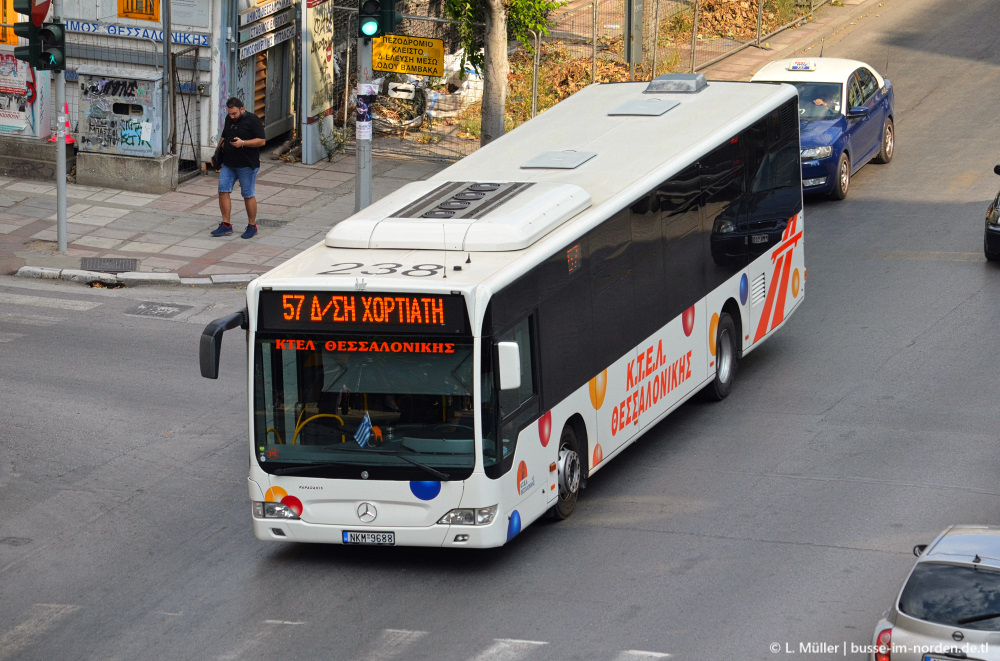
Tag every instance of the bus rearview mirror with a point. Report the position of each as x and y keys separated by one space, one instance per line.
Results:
x=210 y=346
x=510 y=365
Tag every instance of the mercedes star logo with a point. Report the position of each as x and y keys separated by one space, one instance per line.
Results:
x=367 y=512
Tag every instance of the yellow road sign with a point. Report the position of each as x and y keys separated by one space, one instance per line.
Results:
x=415 y=55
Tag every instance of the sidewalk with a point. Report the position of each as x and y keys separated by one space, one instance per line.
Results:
x=168 y=235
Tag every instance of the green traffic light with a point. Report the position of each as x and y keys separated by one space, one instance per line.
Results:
x=369 y=27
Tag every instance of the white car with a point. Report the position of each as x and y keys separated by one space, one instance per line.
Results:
x=949 y=607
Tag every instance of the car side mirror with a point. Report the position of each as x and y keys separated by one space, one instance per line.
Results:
x=858 y=111
x=919 y=549
x=509 y=356
x=996 y=169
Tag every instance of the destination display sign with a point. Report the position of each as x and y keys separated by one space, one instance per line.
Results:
x=414 y=55
x=361 y=311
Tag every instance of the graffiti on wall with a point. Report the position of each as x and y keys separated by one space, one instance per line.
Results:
x=119 y=115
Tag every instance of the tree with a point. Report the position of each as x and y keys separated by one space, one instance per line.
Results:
x=485 y=28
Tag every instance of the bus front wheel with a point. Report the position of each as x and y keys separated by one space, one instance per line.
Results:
x=726 y=359
x=568 y=475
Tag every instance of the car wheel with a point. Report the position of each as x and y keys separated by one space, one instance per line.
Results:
x=990 y=256
x=726 y=359
x=843 y=181
x=888 y=143
x=568 y=475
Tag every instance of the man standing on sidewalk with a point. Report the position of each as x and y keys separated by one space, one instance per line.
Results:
x=242 y=138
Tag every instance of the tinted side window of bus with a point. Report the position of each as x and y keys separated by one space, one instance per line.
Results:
x=680 y=220
x=723 y=183
x=611 y=282
x=775 y=195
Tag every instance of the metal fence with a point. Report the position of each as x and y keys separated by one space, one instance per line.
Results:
x=586 y=41
x=586 y=45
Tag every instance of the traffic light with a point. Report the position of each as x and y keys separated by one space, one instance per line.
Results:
x=370 y=18
x=27 y=30
x=53 y=47
x=390 y=16
x=377 y=17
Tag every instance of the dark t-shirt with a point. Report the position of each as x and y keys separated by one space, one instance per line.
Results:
x=246 y=127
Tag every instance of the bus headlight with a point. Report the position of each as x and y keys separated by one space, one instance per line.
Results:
x=482 y=516
x=816 y=152
x=272 y=511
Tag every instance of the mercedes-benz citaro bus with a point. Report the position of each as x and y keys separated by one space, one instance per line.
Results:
x=455 y=360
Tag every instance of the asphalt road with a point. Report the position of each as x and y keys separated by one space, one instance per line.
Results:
x=783 y=515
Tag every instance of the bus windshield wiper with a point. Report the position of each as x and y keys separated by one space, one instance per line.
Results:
x=433 y=471
x=305 y=468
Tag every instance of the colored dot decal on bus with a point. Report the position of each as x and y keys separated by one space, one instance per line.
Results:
x=545 y=428
x=275 y=494
x=428 y=490
x=687 y=319
x=513 y=525
x=598 y=454
x=522 y=475
x=795 y=283
x=744 y=289
x=293 y=503
x=713 y=328
x=598 y=386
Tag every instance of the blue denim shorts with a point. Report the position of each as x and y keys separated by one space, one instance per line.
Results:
x=247 y=177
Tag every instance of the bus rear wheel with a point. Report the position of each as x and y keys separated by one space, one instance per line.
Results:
x=568 y=475
x=726 y=359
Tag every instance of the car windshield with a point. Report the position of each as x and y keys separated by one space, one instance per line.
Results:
x=400 y=407
x=953 y=595
x=819 y=100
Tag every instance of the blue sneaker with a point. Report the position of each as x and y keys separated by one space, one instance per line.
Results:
x=250 y=232
x=222 y=230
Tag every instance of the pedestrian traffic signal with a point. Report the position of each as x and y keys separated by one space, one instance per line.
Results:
x=370 y=18
x=377 y=17
x=53 y=47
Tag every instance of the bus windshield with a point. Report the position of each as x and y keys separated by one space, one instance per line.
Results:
x=398 y=408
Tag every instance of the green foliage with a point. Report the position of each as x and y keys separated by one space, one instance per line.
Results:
x=523 y=17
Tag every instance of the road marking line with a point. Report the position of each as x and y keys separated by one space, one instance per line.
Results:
x=930 y=255
x=508 y=649
x=42 y=302
x=30 y=319
x=630 y=655
x=41 y=618
x=283 y=622
x=9 y=337
x=392 y=643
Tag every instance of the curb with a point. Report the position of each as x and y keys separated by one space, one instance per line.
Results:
x=131 y=278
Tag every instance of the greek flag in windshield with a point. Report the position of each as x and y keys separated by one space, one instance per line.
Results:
x=364 y=432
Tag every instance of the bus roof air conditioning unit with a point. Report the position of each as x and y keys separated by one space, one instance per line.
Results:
x=676 y=83
x=462 y=215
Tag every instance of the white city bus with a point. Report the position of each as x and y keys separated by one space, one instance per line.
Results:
x=454 y=361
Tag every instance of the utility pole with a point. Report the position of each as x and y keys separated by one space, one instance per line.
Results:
x=61 y=120
x=168 y=81
x=366 y=94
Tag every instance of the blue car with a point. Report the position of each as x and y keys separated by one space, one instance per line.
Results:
x=846 y=119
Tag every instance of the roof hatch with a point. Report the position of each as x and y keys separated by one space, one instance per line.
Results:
x=462 y=215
